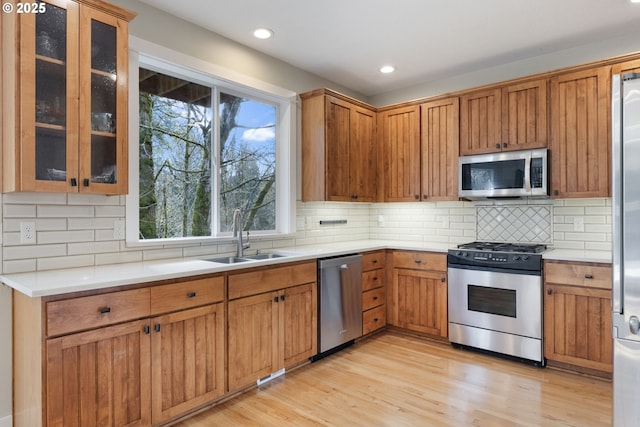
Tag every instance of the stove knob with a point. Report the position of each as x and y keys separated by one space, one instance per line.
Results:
x=525 y=257
x=465 y=254
x=458 y=253
x=516 y=257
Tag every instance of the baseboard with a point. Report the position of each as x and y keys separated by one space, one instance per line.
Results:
x=6 y=421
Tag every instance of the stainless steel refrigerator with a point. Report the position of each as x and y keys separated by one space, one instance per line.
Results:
x=625 y=126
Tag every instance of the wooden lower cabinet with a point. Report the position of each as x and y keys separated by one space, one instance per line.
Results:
x=373 y=291
x=187 y=350
x=99 y=378
x=419 y=293
x=270 y=331
x=577 y=316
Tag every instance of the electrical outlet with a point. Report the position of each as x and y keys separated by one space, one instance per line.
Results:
x=28 y=233
x=118 y=229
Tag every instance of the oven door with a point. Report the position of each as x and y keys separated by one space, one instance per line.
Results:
x=504 y=302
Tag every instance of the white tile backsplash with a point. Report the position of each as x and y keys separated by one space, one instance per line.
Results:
x=77 y=230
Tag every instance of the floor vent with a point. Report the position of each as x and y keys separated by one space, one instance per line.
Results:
x=269 y=377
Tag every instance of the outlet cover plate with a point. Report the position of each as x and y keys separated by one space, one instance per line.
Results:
x=27 y=233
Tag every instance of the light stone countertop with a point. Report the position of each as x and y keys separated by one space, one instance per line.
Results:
x=55 y=282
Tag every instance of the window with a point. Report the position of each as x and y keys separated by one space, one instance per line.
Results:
x=207 y=148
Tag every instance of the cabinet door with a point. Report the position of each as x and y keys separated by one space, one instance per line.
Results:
x=577 y=326
x=420 y=301
x=626 y=67
x=103 y=103
x=48 y=153
x=363 y=157
x=580 y=137
x=481 y=122
x=524 y=116
x=401 y=144
x=99 y=378
x=253 y=331
x=440 y=141
x=187 y=349
x=337 y=140
x=298 y=310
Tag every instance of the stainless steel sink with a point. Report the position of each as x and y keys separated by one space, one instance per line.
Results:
x=264 y=256
x=227 y=260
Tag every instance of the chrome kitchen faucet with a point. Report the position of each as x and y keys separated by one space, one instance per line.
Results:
x=237 y=232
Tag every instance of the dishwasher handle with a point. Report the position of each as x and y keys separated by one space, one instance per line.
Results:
x=338 y=262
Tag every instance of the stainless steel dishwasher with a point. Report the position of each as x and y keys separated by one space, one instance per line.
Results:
x=340 y=305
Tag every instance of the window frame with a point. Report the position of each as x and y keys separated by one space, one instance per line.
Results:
x=166 y=61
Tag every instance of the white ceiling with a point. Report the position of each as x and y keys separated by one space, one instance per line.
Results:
x=347 y=41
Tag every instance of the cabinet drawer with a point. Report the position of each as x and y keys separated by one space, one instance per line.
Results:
x=420 y=260
x=373 y=260
x=374 y=319
x=372 y=279
x=372 y=298
x=270 y=279
x=579 y=274
x=178 y=296
x=95 y=311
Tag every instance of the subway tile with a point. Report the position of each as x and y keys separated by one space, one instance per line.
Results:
x=55 y=263
x=586 y=237
x=92 y=248
x=93 y=200
x=19 y=266
x=19 y=211
x=33 y=251
x=110 y=211
x=118 y=257
x=90 y=223
x=155 y=254
x=49 y=237
x=45 y=211
x=20 y=198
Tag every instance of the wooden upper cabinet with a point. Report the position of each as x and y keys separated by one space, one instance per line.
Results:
x=513 y=117
x=439 y=146
x=580 y=136
x=339 y=153
x=67 y=103
x=400 y=141
x=626 y=67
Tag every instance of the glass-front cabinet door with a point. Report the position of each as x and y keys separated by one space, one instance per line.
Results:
x=103 y=103
x=73 y=99
x=49 y=96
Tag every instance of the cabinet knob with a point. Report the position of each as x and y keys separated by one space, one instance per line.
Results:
x=146 y=329
x=424 y=197
x=375 y=279
x=498 y=146
x=375 y=319
x=375 y=261
x=276 y=299
x=418 y=261
x=157 y=327
x=74 y=182
x=375 y=298
x=504 y=145
x=443 y=279
x=549 y=291
x=105 y=310
x=588 y=276
x=191 y=294
x=85 y=182
x=416 y=196
x=556 y=192
x=282 y=297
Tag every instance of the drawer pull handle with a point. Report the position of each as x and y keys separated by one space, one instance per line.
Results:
x=549 y=291
x=282 y=298
x=147 y=329
x=375 y=279
x=157 y=327
x=375 y=319
x=443 y=279
x=276 y=299
x=588 y=276
x=375 y=261
x=375 y=298
x=191 y=294
x=105 y=310
x=418 y=261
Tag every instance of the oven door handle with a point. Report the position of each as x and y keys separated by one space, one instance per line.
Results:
x=527 y=173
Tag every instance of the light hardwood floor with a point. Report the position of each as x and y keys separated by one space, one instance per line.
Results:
x=397 y=380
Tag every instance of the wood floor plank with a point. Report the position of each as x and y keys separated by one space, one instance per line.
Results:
x=398 y=380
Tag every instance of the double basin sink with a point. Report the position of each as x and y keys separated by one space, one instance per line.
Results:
x=247 y=258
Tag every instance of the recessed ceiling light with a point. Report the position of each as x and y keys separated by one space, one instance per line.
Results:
x=263 y=33
x=387 y=69
x=635 y=1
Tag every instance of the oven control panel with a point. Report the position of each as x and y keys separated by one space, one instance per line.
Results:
x=472 y=258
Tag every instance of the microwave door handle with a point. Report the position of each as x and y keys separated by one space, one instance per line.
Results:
x=527 y=173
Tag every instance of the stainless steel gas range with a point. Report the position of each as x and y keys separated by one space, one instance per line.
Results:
x=495 y=298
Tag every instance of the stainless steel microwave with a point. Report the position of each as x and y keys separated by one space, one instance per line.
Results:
x=508 y=174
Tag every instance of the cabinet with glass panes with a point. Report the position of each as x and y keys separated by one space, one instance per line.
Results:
x=65 y=97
